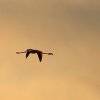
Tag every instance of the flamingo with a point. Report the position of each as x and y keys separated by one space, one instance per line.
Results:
x=33 y=51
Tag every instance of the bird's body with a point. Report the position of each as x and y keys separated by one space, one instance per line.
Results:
x=33 y=51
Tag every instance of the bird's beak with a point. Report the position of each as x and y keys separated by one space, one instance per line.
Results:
x=18 y=52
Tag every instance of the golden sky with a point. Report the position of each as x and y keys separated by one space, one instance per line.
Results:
x=68 y=28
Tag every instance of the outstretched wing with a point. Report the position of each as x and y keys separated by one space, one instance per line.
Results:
x=39 y=56
x=27 y=54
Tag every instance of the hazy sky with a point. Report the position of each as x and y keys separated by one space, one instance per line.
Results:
x=68 y=28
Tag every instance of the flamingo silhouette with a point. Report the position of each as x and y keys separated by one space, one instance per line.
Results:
x=32 y=51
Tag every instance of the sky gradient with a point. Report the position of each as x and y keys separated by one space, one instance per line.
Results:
x=68 y=28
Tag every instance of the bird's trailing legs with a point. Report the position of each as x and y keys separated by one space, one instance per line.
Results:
x=48 y=53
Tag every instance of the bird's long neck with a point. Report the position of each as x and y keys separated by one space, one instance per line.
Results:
x=21 y=52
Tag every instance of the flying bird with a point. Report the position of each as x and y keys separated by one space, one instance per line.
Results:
x=32 y=51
